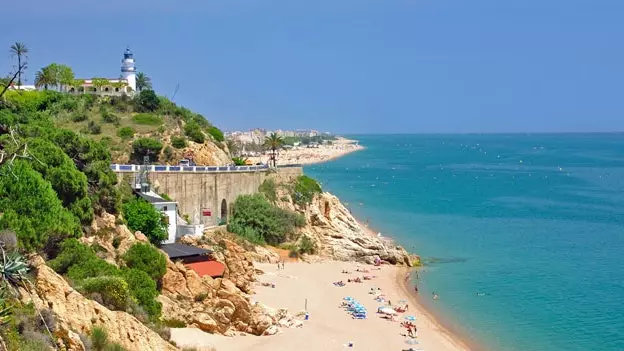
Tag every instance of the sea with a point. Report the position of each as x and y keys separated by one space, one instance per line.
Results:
x=521 y=235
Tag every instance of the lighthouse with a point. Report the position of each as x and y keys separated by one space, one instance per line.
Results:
x=128 y=71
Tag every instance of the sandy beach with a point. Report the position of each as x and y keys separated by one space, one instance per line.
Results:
x=303 y=155
x=331 y=327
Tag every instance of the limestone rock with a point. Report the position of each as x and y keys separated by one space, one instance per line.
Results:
x=339 y=236
x=77 y=314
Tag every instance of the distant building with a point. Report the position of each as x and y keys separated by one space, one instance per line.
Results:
x=124 y=85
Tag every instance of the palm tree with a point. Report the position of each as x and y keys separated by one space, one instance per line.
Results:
x=20 y=50
x=273 y=142
x=143 y=81
x=44 y=78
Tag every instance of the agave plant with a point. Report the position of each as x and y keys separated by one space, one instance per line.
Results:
x=13 y=268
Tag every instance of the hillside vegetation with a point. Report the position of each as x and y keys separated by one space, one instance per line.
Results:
x=147 y=125
x=55 y=179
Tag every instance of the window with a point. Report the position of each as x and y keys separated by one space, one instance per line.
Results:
x=164 y=208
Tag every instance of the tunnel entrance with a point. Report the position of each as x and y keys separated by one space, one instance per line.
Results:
x=224 y=211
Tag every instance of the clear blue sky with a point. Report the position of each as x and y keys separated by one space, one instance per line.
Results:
x=358 y=66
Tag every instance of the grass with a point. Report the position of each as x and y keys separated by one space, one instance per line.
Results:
x=148 y=119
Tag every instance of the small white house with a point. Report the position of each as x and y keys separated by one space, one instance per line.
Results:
x=169 y=208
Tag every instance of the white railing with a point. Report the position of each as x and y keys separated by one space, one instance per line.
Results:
x=201 y=169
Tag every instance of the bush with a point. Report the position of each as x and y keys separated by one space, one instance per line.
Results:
x=174 y=323
x=269 y=189
x=93 y=267
x=193 y=131
x=79 y=116
x=125 y=133
x=179 y=142
x=147 y=101
x=305 y=189
x=108 y=117
x=146 y=258
x=307 y=246
x=200 y=297
x=94 y=128
x=168 y=153
x=99 y=339
x=142 y=216
x=146 y=147
x=114 y=290
x=31 y=208
x=72 y=252
x=116 y=242
x=147 y=119
x=254 y=217
x=143 y=289
x=216 y=133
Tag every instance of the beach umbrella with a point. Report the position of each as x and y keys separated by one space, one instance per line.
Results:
x=410 y=318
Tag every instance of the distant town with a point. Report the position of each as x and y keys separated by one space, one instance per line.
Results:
x=251 y=143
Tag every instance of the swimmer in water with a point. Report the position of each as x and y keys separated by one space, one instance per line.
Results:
x=435 y=296
x=480 y=294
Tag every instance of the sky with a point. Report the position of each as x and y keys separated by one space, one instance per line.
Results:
x=350 y=66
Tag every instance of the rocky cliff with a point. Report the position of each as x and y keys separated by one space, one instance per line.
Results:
x=339 y=236
x=76 y=314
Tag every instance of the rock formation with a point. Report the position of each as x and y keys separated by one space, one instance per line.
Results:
x=339 y=236
x=214 y=305
x=76 y=314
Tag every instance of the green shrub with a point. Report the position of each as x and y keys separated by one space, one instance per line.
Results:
x=255 y=219
x=79 y=116
x=94 y=267
x=108 y=117
x=269 y=189
x=72 y=252
x=143 y=289
x=125 y=133
x=99 y=339
x=174 y=323
x=31 y=208
x=305 y=189
x=193 y=131
x=114 y=290
x=142 y=216
x=307 y=246
x=216 y=133
x=146 y=258
x=94 y=128
x=147 y=119
x=179 y=142
x=146 y=147
x=294 y=253
x=116 y=242
x=168 y=153
x=200 y=297
x=147 y=101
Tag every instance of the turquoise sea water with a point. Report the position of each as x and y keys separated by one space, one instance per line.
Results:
x=536 y=222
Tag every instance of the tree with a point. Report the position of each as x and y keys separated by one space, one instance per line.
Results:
x=65 y=77
x=45 y=78
x=98 y=83
x=148 y=101
x=233 y=147
x=146 y=147
x=273 y=142
x=142 y=216
x=20 y=50
x=143 y=82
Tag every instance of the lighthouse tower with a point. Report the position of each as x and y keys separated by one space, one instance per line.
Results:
x=128 y=71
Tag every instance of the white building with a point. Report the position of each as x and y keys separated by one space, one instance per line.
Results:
x=125 y=84
x=168 y=208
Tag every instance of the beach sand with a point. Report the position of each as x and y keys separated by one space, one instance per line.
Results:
x=303 y=155
x=330 y=327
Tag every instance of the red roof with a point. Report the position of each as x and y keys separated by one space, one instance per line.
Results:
x=211 y=268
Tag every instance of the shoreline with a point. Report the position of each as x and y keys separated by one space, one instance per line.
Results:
x=309 y=156
x=404 y=283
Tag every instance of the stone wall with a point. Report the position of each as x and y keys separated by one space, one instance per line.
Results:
x=198 y=193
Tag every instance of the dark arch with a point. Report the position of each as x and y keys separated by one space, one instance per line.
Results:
x=224 y=211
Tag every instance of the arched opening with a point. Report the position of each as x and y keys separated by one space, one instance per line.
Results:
x=224 y=211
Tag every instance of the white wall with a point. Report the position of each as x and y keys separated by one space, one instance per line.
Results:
x=171 y=212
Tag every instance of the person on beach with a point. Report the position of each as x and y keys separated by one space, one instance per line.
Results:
x=283 y=265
